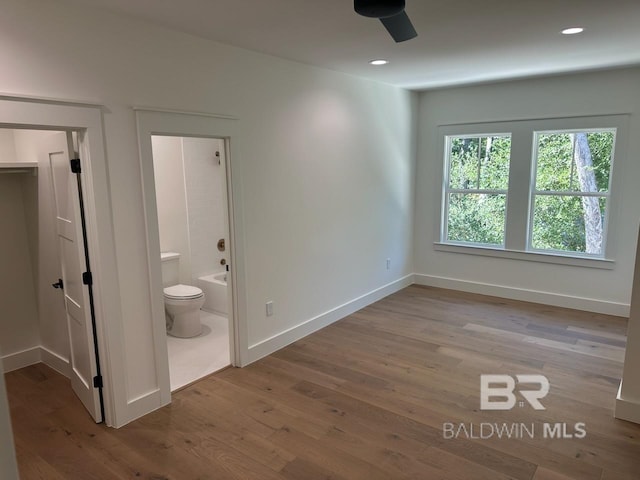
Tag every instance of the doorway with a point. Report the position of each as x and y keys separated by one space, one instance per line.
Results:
x=193 y=226
x=47 y=289
x=159 y=123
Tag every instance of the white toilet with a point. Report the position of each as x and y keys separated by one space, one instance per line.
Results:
x=182 y=303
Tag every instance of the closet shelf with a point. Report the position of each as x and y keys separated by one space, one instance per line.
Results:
x=19 y=167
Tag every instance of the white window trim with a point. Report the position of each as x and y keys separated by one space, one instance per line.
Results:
x=541 y=256
x=517 y=224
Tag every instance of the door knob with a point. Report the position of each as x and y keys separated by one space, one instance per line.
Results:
x=58 y=284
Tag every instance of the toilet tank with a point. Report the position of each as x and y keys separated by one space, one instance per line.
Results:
x=170 y=268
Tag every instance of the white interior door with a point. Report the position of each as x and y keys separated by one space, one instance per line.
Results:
x=84 y=369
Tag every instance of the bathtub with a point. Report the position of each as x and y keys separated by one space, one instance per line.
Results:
x=215 y=293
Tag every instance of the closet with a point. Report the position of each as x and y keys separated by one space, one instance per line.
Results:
x=33 y=324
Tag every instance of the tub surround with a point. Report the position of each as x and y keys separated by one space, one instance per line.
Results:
x=190 y=196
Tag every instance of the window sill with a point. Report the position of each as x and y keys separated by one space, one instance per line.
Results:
x=555 y=258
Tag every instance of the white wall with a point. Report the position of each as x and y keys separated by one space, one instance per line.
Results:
x=7 y=147
x=19 y=319
x=571 y=95
x=171 y=199
x=326 y=163
x=205 y=204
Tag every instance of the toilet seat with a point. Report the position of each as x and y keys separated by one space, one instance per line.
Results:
x=182 y=292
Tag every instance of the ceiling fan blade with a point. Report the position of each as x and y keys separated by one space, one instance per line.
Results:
x=399 y=27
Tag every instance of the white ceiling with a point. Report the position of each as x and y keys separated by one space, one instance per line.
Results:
x=459 y=41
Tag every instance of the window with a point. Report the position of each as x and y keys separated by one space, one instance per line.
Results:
x=476 y=189
x=572 y=177
x=541 y=190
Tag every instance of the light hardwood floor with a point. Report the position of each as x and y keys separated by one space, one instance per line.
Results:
x=365 y=398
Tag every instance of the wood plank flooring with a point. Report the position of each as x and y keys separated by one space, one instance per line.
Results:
x=365 y=398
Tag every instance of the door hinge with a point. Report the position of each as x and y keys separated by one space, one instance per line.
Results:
x=87 y=278
x=97 y=381
x=75 y=166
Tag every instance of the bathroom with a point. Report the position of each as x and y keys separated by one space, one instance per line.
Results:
x=191 y=197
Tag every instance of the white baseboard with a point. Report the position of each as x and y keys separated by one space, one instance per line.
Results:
x=281 y=340
x=626 y=409
x=31 y=356
x=55 y=361
x=24 y=358
x=534 y=296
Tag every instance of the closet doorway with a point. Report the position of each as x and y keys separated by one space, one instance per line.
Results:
x=47 y=288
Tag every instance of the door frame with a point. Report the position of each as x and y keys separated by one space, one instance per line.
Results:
x=86 y=120
x=185 y=124
x=8 y=463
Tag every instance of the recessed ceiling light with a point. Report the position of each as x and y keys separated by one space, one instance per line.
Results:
x=572 y=30
x=379 y=62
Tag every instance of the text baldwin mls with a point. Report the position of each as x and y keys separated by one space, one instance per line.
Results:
x=485 y=431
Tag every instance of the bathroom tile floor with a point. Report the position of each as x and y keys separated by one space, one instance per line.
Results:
x=194 y=358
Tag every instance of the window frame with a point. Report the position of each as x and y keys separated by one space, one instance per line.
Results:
x=447 y=190
x=569 y=193
x=521 y=187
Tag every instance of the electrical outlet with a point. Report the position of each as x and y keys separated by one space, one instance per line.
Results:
x=269 y=308
x=388 y=264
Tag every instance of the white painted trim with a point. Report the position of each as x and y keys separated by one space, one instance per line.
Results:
x=186 y=124
x=528 y=256
x=628 y=410
x=55 y=361
x=51 y=100
x=24 y=358
x=534 y=119
x=185 y=112
x=282 y=339
x=525 y=295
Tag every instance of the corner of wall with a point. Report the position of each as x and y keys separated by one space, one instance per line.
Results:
x=625 y=409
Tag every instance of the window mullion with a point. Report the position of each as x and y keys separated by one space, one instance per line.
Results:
x=573 y=156
x=479 y=162
x=519 y=193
